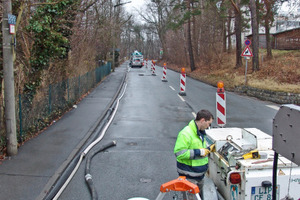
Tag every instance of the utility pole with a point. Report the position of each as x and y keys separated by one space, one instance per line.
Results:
x=9 y=89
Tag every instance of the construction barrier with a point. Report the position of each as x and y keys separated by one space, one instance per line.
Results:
x=221 y=105
x=153 y=69
x=151 y=65
x=182 y=82
x=164 y=78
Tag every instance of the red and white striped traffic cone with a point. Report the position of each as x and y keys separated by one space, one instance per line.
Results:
x=182 y=82
x=153 y=71
x=151 y=66
x=221 y=105
x=164 y=78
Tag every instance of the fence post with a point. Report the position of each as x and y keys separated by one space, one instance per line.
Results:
x=20 y=117
x=68 y=90
x=50 y=99
x=79 y=86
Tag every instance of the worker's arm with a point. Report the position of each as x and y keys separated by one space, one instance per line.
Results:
x=182 y=151
x=204 y=152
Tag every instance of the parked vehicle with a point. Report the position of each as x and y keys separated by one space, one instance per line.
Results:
x=137 y=62
x=136 y=59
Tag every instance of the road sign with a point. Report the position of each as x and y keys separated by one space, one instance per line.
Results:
x=161 y=51
x=247 y=42
x=247 y=52
x=11 y=19
x=12 y=29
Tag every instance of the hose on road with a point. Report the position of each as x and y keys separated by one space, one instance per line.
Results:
x=68 y=174
x=88 y=176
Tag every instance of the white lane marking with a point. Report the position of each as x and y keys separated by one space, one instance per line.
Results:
x=171 y=87
x=182 y=99
x=194 y=114
x=274 y=107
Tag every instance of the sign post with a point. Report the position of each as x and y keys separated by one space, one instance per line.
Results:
x=247 y=54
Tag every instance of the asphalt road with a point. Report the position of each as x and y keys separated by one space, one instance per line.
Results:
x=149 y=117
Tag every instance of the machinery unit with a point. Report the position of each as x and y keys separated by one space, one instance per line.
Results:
x=242 y=166
x=136 y=59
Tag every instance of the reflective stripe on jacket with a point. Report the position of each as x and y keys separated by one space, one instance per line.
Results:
x=186 y=150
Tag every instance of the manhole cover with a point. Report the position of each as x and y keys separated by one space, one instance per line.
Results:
x=145 y=180
x=132 y=143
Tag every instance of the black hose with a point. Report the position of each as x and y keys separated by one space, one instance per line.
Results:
x=88 y=176
x=68 y=170
x=275 y=163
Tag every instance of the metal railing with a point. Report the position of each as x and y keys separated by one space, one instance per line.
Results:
x=52 y=101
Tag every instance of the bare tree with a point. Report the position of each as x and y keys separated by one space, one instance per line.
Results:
x=268 y=18
x=189 y=38
x=255 y=41
x=238 y=31
x=157 y=15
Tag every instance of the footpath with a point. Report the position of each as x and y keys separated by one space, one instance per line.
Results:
x=41 y=160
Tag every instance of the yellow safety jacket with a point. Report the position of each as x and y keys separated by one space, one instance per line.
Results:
x=187 y=152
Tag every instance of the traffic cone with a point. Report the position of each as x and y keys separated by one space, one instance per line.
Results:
x=221 y=104
x=182 y=82
x=153 y=71
x=164 y=78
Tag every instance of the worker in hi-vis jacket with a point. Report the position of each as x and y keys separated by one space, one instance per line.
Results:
x=191 y=151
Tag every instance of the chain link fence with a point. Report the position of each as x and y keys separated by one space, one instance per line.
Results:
x=52 y=101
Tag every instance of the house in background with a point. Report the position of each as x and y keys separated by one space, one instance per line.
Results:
x=262 y=40
x=284 y=40
x=285 y=33
x=287 y=40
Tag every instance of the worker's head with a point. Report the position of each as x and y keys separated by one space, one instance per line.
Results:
x=204 y=119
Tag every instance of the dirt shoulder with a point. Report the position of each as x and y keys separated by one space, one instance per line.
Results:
x=279 y=74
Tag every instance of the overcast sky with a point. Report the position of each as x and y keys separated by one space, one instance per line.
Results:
x=134 y=4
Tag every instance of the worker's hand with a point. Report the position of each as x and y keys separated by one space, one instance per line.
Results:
x=212 y=148
x=204 y=152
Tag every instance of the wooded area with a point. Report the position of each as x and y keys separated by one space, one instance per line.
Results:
x=60 y=39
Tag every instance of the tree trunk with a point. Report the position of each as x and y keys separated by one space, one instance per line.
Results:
x=229 y=48
x=190 y=47
x=268 y=39
x=255 y=41
x=224 y=35
x=238 y=32
x=189 y=42
x=267 y=27
x=195 y=41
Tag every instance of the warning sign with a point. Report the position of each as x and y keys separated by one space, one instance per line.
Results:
x=247 y=52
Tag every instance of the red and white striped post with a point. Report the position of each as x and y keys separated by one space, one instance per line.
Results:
x=146 y=63
x=221 y=104
x=164 y=78
x=182 y=82
x=151 y=65
x=153 y=71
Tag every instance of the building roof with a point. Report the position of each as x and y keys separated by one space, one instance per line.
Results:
x=298 y=28
x=285 y=31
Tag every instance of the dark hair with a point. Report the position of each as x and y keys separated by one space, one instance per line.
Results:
x=204 y=114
